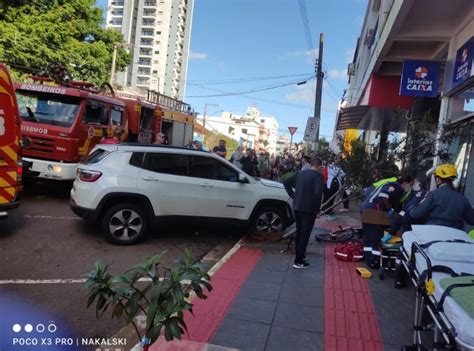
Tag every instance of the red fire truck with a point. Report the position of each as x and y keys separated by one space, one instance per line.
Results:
x=10 y=153
x=64 y=122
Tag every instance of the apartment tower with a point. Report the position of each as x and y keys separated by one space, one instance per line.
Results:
x=158 y=34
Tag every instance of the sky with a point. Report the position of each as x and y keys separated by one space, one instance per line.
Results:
x=237 y=46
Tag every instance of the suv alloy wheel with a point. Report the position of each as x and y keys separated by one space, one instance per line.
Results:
x=125 y=224
x=269 y=219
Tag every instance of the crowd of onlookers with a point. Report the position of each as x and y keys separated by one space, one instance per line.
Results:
x=278 y=168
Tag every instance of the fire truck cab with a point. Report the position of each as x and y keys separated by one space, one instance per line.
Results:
x=10 y=153
x=63 y=124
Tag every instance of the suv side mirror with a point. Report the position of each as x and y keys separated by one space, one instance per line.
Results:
x=242 y=178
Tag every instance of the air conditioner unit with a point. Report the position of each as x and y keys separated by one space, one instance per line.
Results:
x=351 y=69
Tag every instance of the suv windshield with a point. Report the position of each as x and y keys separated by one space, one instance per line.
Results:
x=47 y=108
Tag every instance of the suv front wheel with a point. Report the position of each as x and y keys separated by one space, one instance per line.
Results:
x=125 y=224
x=269 y=219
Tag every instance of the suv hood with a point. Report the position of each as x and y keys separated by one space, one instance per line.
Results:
x=272 y=183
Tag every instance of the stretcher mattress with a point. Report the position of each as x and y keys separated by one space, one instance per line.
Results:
x=461 y=321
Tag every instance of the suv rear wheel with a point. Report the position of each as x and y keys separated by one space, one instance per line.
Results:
x=269 y=219
x=125 y=224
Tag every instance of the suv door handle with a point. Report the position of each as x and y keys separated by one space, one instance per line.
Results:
x=151 y=179
x=206 y=185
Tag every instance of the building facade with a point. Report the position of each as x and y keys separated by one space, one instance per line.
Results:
x=158 y=34
x=423 y=36
x=251 y=130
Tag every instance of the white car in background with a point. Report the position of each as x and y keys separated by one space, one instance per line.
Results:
x=128 y=187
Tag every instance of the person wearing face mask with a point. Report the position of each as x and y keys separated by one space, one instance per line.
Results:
x=386 y=198
x=444 y=205
x=402 y=220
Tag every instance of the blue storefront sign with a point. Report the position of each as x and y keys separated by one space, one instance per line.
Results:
x=463 y=65
x=420 y=78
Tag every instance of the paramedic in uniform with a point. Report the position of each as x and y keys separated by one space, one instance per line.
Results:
x=444 y=205
x=386 y=197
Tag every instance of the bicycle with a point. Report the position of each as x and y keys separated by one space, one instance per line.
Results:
x=322 y=234
x=338 y=236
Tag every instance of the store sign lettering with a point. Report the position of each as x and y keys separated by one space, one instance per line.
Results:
x=420 y=78
x=463 y=65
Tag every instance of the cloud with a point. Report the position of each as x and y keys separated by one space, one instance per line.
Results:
x=308 y=53
x=197 y=55
x=337 y=74
x=303 y=93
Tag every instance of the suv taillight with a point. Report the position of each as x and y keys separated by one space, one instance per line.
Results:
x=87 y=175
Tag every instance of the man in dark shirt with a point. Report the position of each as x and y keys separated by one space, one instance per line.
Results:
x=220 y=149
x=249 y=163
x=309 y=187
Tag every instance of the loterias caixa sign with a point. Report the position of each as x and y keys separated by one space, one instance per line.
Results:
x=463 y=65
x=420 y=78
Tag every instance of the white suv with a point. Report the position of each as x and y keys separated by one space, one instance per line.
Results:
x=128 y=187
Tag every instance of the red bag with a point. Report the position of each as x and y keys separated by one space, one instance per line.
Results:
x=351 y=251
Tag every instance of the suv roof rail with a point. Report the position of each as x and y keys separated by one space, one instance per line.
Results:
x=160 y=146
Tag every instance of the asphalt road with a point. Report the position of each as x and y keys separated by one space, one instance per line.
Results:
x=44 y=240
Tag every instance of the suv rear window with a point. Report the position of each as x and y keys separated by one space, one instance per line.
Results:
x=167 y=163
x=95 y=157
x=137 y=159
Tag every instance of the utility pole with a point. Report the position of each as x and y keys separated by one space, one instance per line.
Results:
x=112 y=69
x=319 y=89
x=204 y=119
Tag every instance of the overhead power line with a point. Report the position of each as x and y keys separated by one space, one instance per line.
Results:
x=304 y=17
x=248 y=91
x=249 y=79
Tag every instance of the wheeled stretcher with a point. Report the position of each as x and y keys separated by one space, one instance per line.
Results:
x=433 y=255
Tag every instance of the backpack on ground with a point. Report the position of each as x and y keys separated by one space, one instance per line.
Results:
x=351 y=251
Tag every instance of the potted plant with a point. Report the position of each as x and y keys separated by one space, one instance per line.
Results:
x=160 y=293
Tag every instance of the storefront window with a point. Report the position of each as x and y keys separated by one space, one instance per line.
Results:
x=462 y=104
x=460 y=150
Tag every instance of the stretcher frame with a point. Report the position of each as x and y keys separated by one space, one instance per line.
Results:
x=445 y=336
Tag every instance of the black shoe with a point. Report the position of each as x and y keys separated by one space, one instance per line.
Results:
x=302 y=265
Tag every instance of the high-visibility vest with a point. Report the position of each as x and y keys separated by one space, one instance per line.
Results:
x=384 y=181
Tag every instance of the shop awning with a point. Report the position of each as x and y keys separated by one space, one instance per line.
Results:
x=372 y=118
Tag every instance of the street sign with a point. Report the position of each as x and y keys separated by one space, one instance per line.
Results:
x=311 y=130
x=292 y=130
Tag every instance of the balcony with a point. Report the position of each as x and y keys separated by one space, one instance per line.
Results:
x=148 y=23
x=148 y=33
x=142 y=62
x=146 y=42
x=149 y=13
x=144 y=72
x=117 y=3
x=145 y=53
x=149 y=4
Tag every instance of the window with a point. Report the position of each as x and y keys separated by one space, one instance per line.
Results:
x=95 y=157
x=47 y=108
x=244 y=131
x=137 y=159
x=146 y=118
x=116 y=115
x=95 y=113
x=210 y=168
x=167 y=163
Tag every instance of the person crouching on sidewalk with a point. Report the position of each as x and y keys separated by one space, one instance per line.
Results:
x=307 y=194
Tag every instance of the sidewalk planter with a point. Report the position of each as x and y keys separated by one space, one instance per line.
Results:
x=162 y=296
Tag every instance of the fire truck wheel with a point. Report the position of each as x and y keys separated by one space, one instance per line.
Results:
x=125 y=224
